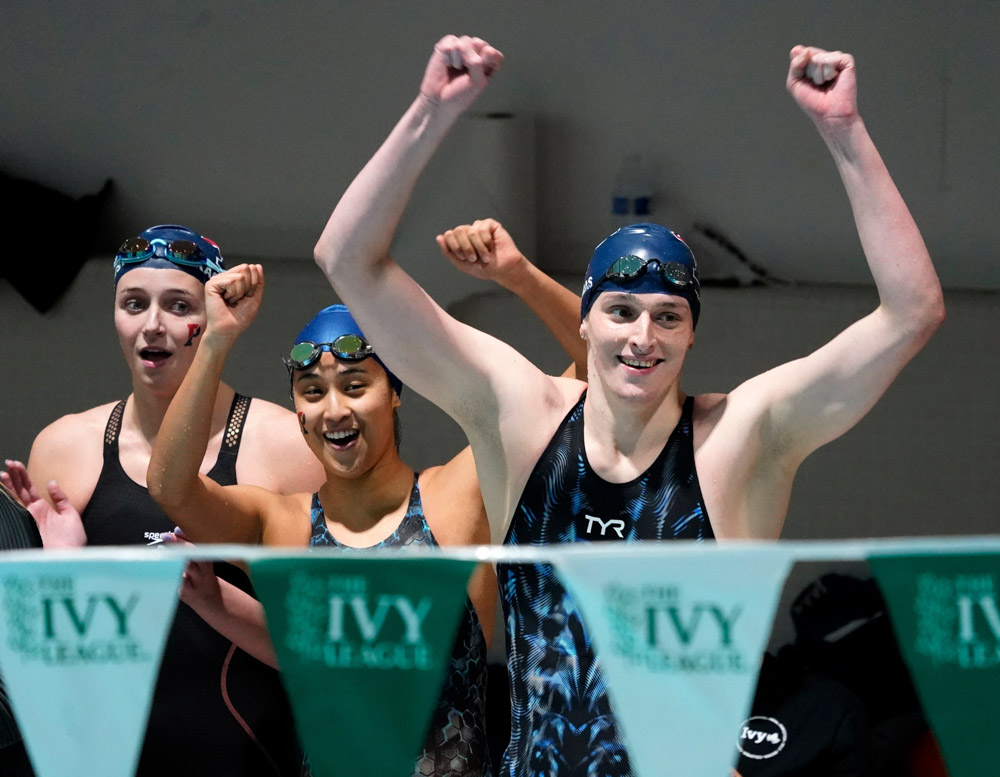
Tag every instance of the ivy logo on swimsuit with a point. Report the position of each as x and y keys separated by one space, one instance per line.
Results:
x=54 y=623
x=662 y=629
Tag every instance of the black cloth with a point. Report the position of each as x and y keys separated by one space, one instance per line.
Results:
x=216 y=711
x=17 y=531
x=803 y=724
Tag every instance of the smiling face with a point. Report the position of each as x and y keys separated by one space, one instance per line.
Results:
x=637 y=343
x=346 y=411
x=159 y=315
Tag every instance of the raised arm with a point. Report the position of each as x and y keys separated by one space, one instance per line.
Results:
x=480 y=381
x=485 y=250
x=453 y=365
x=816 y=399
x=206 y=511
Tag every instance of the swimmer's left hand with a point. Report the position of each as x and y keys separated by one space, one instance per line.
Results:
x=483 y=249
x=823 y=83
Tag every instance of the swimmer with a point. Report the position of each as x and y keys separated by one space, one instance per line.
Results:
x=561 y=461
x=95 y=464
x=346 y=399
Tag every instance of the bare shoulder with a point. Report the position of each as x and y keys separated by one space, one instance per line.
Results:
x=452 y=502
x=286 y=520
x=70 y=451
x=273 y=454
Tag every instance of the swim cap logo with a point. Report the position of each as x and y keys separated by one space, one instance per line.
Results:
x=762 y=738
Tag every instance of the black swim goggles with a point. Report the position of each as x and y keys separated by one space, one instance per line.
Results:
x=349 y=348
x=183 y=252
x=630 y=267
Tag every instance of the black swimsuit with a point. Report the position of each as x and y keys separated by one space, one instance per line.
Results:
x=561 y=719
x=216 y=711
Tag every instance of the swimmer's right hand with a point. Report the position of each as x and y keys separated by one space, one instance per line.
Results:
x=59 y=524
x=232 y=300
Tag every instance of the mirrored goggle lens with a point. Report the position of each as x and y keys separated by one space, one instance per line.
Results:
x=184 y=251
x=303 y=354
x=135 y=249
x=626 y=267
x=676 y=273
x=351 y=348
x=347 y=347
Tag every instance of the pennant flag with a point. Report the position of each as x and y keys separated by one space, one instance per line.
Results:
x=80 y=648
x=680 y=633
x=363 y=643
x=944 y=611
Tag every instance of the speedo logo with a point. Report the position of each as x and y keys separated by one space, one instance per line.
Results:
x=153 y=537
x=762 y=738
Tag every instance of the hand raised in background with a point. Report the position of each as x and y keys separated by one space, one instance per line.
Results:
x=59 y=524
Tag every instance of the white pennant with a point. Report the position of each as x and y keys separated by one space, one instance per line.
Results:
x=679 y=634
x=80 y=649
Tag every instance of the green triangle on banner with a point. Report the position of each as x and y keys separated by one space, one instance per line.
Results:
x=945 y=614
x=363 y=642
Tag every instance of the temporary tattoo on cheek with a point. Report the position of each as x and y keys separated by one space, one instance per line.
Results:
x=302 y=422
x=193 y=331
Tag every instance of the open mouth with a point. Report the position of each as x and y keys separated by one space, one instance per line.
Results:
x=639 y=364
x=341 y=440
x=154 y=356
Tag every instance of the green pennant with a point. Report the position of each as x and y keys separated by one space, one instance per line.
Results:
x=945 y=613
x=363 y=643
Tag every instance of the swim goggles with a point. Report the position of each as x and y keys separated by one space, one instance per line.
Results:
x=350 y=348
x=630 y=267
x=181 y=252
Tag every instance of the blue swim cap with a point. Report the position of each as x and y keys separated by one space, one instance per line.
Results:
x=651 y=243
x=333 y=322
x=169 y=247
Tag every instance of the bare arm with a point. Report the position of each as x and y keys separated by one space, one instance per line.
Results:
x=230 y=611
x=478 y=380
x=453 y=365
x=206 y=511
x=816 y=399
x=484 y=249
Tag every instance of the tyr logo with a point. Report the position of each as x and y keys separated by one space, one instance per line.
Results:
x=617 y=525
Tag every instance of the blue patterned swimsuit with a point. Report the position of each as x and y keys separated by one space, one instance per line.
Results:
x=561 y=719
x=456 y=742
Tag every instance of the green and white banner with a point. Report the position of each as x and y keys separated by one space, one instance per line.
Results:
x=363 y=643
x=80 y=647
x=680 y=635
x=945 y=613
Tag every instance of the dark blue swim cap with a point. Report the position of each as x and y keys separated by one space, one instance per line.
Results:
x=170 y=247
x=650 y=243
x=333 y=322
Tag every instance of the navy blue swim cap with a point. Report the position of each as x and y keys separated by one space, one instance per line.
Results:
x=649 y=243
x=170 y=247
x=336 y=321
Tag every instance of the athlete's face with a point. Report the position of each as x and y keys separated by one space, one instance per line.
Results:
x=637 y=343
x=159 y=315
x=346 y=412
